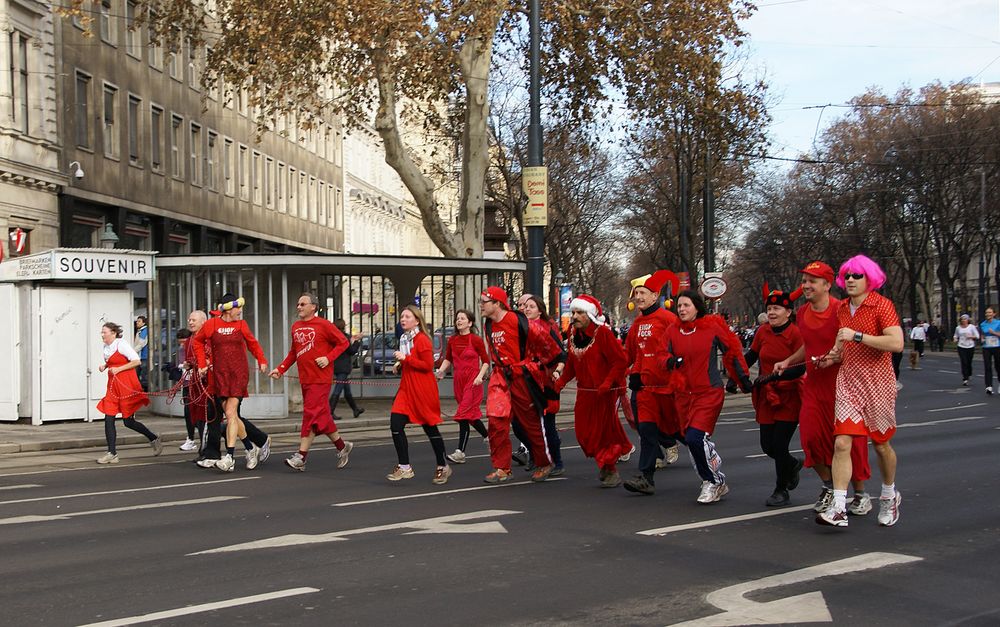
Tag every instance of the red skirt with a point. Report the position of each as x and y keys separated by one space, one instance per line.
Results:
x=124 y=395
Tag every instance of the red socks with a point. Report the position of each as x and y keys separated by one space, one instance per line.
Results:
x=339 y=444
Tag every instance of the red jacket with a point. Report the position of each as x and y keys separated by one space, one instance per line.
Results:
x=699 y=343
x=645 y=346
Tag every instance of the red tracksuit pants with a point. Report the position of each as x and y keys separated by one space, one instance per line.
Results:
x=529 y=417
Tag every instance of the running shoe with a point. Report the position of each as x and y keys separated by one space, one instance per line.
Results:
x=989 y=391
x=108 y=458
x=627 y=456
x=520 y=456
x=157 y=445
x=265 y=451
x=888 y=510
x=399 y=473
x=189 y=445
x=778 y=498
x=557 y=471
x=542 y=473
x=295 y=462
x=965 y=383
x=253 y=456
x=206 y=463
x=344 y=456
x=793 y=481
x=832 y=517
x=611 y=480
x=226 y=464
x=824 y=501
x=359 y=411
x=458 y=457
x=860 y=505
x=498 y=476
x=640 y=485
x=673 y=454
x=712 y=492
x=441 y=476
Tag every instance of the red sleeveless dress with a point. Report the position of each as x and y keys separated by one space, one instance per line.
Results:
x=124 y=395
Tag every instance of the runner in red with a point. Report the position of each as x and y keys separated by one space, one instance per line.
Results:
x=316 y=343
x=521 y=351
x=466 y=354
x=866 y=386
x=597 y=361
x=124 y=395
x=817 y=321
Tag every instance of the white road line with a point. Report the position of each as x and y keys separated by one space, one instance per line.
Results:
x=439 y=493
x=662 y=531
x=146 y=489
x=204 y=607
x=89 y=467
x=932 y=423
x=798 y=450
x=439 y=524
x=735 y=413
x=957 y=407
x=948 y=371
x=20 y=487
x=19 y=520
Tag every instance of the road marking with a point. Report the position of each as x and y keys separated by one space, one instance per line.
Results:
x=798 y=450
x=932 y=423
x=204 y=607
x=662 y=531
x=146 y=489
x=956 y=407
x=90 y=467
x=31 y=518
x=441 y=524
x=736 y=413
x=439 y=493
x=20 y=487
x=949 y=371
x=803 y=608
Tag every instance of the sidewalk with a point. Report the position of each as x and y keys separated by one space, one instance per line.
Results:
x=70 y=435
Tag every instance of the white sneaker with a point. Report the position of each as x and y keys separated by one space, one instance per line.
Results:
x=189 y=445
x=253 y=457
x=206 y=463
x=157 y=445
x=673 y=454
x=712 y=492
x=860 y=505
x=627 y=456
x=888 y=510
x=824 y=501
x=265 y=451
x=295 y=462
x=226 y=464
x=458 y=457
x=344 y=456
x=108 y=458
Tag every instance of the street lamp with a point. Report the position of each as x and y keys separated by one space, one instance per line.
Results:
x=536 y=234
x=982 y=249
x=108 y=238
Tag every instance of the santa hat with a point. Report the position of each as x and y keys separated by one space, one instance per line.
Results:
x=654 y=283
x=590 y=306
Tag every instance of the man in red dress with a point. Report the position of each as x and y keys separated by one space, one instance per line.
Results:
x=597 y=361
x=521 y=350
x=316 y=343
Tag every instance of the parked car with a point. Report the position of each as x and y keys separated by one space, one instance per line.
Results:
x=380 y=355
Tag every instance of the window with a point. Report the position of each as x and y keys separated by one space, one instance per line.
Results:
x=109 y=31
x=313 y=209
x=213 y=91
x=338 y=151
x=82 y=110
x=258 y=178
x=293 y=183
x=338 y=210
x=19 y=79
x=321 y=202
x=156 y=138
x=281 y=182
x=195 y=148
x=193 y=64
x=244 y=172
x=111 y=131
x=227 y=163
x=134 y=140
x=133 y=34
x=303 y=195
x=175 y=63
x=176 y=145
x=155 y=49
x=331 y=209
x=212 y=161
x=269 y=183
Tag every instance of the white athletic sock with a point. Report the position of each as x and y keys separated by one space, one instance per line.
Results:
x=840 y=500
x=888 y=491
x=404 y=466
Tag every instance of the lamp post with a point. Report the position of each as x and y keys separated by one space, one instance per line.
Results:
x=108 y=238
x=982 y=250
x=536 y=234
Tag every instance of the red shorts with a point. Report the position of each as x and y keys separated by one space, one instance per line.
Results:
x=316 y=416
x=658 y=408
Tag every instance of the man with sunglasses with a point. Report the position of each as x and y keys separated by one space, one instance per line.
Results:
x=866 y=387
x=522 y=352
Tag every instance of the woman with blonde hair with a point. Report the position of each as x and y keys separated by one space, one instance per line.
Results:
x=417 y=400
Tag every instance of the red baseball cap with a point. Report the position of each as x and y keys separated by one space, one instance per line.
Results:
x=498 y=294
x=819 y=270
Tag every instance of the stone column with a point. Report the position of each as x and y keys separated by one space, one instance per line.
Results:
x=6 y=96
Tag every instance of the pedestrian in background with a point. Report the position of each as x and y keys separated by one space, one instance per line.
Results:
x=142 y=348
x=990 y=328
x=935 y=337
x=966 y=335
x=342 y=373
x=918 y=335
x=466 y=354
x=124 y=396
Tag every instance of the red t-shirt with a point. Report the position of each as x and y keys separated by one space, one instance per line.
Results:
x=819 y=333
x=504 y=335
x=312 y=339
x=458 y=343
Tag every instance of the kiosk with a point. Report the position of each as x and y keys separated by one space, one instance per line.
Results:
x=52 y=307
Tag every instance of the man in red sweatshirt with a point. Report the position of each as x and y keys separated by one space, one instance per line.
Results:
x=316 y=343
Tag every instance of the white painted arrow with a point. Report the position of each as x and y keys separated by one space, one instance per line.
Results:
x=440 y=524
x=803 y=608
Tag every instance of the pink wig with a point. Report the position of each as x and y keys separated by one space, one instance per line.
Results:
x=859 y=264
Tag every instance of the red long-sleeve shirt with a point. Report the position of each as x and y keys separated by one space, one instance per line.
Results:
x=311 y=339
x=699 y=343
x=218 y=325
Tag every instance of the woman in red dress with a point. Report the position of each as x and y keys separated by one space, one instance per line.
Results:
x=417 y=400
x=466 y=353
x=777 y=398
x=230 y=337
x=124 y=396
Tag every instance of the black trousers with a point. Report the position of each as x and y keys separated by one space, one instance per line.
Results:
x=991 y=359
x=774 y=441
x=965 y=356
x=344 y=387
x=397 y=425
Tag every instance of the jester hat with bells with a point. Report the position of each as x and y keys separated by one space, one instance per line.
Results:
x=654 y=283
x=778 y=297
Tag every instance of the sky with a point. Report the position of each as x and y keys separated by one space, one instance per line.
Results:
x=817 y=52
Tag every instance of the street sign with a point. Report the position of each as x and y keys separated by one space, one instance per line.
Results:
x=713 y=287
x=535 y=182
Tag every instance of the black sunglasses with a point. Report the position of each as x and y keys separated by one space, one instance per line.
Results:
x=854 y=275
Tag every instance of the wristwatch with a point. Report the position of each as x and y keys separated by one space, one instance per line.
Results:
x=858 y=336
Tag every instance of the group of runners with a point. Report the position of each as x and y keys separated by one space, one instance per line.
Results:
x=827 y=369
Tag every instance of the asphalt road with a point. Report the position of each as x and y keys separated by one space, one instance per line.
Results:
x=157 y=541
